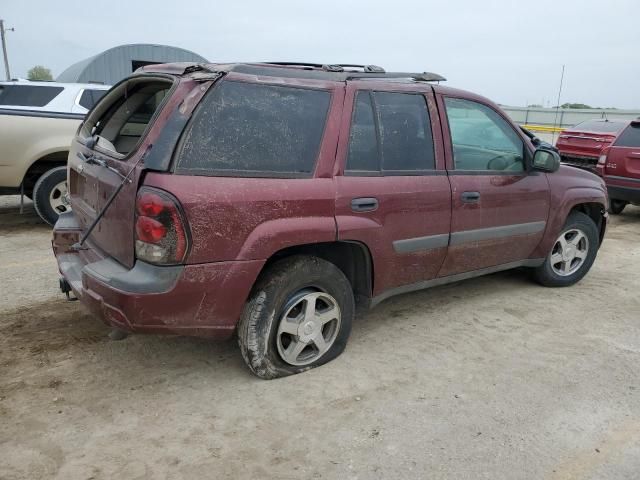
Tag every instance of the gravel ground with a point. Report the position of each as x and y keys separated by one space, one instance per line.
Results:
x=490 y=378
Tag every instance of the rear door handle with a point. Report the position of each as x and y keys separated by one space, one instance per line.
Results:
x=470 y=197
x=364 y=204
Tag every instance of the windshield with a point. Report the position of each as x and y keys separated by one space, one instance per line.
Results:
x=600 y=126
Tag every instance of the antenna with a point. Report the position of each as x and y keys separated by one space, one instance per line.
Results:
x=553 y=135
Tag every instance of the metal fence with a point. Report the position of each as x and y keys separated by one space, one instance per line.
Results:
x=565 y=117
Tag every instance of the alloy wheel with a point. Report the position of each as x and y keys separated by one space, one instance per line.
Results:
x=58 y=198
x=308 y=327
x=569 y=252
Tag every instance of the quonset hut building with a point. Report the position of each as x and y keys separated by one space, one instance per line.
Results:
x=114 y=64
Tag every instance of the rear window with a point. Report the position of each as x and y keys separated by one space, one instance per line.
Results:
x=246 y=128
x=390 y=134
x=90 y=97
x=28 y=95
x=600 y=126
x=630 y=137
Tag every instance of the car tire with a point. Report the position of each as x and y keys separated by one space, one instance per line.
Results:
x=572 y=254
x=617 y=206
x=298 y=317
x=49 y=194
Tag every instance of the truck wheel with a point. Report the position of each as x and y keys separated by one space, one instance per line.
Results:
x=50 y=194
x=617 y=206
x=572 y=253
x=298 y=317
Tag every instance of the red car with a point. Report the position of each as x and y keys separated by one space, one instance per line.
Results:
x=270 y=201
x=620 y=168
x=582 y=145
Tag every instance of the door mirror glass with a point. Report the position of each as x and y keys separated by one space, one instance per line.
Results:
x=546 y=160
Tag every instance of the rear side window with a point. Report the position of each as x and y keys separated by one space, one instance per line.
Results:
x=28 y=95
x=245 y=128
x=390 y=133
x=630 y=137
x=90 y=97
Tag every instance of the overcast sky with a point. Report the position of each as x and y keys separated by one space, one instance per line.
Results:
x=510 y=51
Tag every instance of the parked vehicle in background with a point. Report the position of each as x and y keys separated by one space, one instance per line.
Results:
x=273 y=200
x=582 y=145
x=37 y=122
x=620 y=167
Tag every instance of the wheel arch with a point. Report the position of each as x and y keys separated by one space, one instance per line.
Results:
x=352 y=258
x=43 y=165
x=597 y=212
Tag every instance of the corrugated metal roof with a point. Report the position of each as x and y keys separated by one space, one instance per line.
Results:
x=114 y=64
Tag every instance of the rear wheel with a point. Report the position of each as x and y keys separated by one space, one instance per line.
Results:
x=298 y=317
x=50 y=194
x=617 y=206
x=572 y=254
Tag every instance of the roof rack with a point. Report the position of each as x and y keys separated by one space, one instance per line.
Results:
x=334 y=67
x=418 y=77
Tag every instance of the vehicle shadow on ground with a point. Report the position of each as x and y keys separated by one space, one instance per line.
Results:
x=55 y=330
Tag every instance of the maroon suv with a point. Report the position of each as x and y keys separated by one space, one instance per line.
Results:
x=271 y=200
x=619 y=165
x=581 y=145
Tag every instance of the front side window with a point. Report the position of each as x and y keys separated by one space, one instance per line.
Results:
x=265 y=129
x=390 y=133
x=28 y=95
x=482 y=139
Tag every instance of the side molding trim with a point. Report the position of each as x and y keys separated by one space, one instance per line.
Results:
x=421 y=243
x=409 y=245
x=467 y=236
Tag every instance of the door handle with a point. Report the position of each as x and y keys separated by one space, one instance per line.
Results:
x=364 y=204
x=470 y=197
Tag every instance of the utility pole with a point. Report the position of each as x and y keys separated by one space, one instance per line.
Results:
x=4 y=47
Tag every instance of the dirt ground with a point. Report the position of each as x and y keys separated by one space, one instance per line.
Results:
x=486 y=379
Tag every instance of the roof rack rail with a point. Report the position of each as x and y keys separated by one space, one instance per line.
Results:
x=419 y=77
x=334 y=67
x=296 y=64
x=365 y=68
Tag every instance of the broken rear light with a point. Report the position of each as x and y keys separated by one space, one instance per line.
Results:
x=603 y=156
x=161 y=230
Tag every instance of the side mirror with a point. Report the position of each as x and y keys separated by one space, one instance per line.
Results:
x=546 y=160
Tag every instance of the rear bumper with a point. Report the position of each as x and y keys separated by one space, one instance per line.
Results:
x=199 y=300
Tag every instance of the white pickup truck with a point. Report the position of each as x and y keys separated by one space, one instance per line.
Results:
x=38 y=120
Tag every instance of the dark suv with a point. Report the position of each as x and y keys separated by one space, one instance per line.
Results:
x=271 y=200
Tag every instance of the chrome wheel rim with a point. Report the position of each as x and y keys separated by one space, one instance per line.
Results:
x=308 y=327
x=569 y=252
x=59 y=198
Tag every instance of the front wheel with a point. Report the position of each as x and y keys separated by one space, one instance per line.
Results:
x=50 y=195
x=298 y=317
x=572 y=254
x=617 y=206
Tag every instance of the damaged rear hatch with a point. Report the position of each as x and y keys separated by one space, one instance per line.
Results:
x=120 y=138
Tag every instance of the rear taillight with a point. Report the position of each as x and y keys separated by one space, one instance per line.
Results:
x=603 y=156
x=161 y=230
